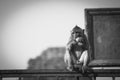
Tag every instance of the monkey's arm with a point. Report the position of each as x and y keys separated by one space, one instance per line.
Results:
x=72 y=52
x=70 y=45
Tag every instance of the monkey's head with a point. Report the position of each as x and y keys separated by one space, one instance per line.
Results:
x=78 y=35
x=77 y=32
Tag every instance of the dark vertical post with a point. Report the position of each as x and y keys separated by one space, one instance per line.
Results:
x=0 y=77
x=77 y=78
x=20 y=78
x=113 y=78
x=93 y=78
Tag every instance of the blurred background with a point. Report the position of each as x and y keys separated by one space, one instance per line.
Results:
x=34 y=33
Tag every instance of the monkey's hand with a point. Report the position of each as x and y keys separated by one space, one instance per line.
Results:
x=82 y=68
x=78 y=62
x=70 y=45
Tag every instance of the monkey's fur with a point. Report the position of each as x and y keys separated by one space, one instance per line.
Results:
x=77 y=49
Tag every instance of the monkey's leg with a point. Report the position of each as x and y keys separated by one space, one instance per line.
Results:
x=68 y=61
x=84 y=59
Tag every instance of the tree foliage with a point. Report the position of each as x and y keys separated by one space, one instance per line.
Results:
x=51 y=58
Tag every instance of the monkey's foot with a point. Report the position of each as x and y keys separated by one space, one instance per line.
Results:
x=70 y=68
x=84 y=69
x=78 y=62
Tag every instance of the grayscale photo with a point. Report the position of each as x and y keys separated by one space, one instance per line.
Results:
x=59 y=40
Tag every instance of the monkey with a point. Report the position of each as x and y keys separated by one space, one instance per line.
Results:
x=77 y=49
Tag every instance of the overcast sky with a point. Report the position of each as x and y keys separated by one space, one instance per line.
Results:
x=27 y=27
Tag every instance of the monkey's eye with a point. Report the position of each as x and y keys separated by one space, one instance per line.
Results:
x=79 y=34
x=76 y=33
x=72 y=32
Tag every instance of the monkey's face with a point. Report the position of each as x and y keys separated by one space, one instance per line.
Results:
x=77 y=34
x=78 y=37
